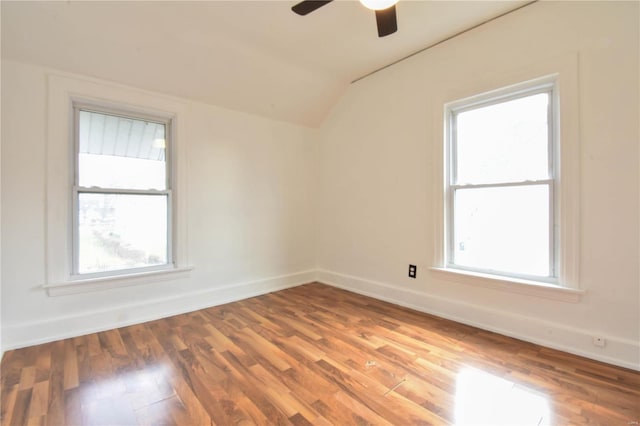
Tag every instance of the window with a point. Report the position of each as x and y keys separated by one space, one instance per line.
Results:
x=122 y=192
x=501 y=183
x=116 y=203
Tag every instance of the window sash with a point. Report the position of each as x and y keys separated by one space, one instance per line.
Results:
x=454 y=111
x=451 y=234
x=452 y=186
x=78 y=106
x=77 y=190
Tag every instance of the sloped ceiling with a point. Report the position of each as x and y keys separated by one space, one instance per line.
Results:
x=253 y=56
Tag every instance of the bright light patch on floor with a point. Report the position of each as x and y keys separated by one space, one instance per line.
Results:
x=485 y=399
x=144 y=395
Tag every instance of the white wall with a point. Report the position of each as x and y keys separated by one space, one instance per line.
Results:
x=378 y=186
x=258 y=220
x=250 y=218
x=1 y=344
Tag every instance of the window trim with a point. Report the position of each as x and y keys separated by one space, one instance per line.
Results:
x=565 y=68
x=512 y=285
x=546 y=85
x=77 y=189
x=63 y=91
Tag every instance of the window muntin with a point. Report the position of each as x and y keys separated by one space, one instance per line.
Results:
x=122 y=192
x=500 y=185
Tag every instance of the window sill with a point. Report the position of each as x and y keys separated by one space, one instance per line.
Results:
x=513 y=285
x=85 y=285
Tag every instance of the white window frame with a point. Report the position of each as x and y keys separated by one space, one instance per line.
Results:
x=453 y=109
x=65 y=91
x=77 y=189
x=565 y=70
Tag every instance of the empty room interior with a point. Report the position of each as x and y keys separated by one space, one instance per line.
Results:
x=315 y=212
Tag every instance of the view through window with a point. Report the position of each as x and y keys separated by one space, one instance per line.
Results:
x=122 y=193
x=501 y=180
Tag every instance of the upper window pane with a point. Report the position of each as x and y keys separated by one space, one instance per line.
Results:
x=503 y=142
x=121 y=152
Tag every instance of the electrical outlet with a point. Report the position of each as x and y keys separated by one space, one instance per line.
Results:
x=412 y=271
x=599 y=341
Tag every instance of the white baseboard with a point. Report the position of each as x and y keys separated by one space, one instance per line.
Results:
x=618 y=351
x=37 y=332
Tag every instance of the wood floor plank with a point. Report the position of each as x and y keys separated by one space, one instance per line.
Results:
x=8 y=401
x=27 y=378
x=70 y=365
x=250 y=386
x=56 y=403
x=43 y=362
x=312 y=354
x=20 y=412
x=72 y=407
x=39 y=400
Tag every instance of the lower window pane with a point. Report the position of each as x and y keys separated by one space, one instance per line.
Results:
x=503 y=229
x=121 y=231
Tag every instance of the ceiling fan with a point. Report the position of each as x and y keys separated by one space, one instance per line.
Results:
x=385 y=12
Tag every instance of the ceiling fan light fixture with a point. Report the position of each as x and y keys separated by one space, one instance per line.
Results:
x=386 y=19
x=378 y=4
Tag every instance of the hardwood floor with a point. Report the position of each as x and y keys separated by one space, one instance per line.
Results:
x=310 y=354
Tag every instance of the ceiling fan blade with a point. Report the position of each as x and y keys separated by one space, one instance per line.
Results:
x=387 y=22
x=308 y=6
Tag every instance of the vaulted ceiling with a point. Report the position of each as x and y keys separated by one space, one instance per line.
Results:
x=253 y=56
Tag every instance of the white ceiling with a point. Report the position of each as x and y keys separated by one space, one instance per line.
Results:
x=252 y=56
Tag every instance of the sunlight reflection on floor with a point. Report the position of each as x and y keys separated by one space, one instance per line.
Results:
x=485 y=399
x=133 y=397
